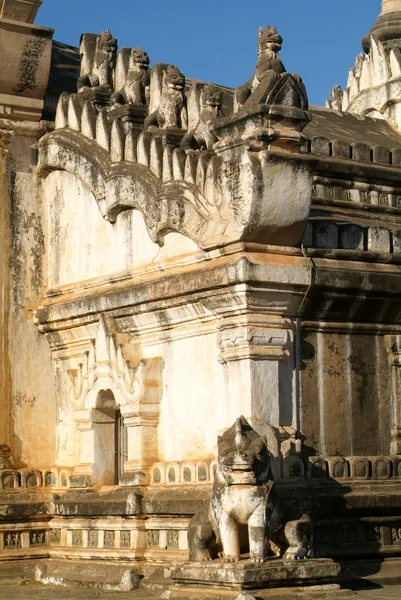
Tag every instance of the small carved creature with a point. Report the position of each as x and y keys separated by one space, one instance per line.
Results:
x=172 y=111
x=243 y=494
x=268 y=68
x=336 y=100
x=104 y=63
x=136 y=86
x=6 y=460
x=201 y=137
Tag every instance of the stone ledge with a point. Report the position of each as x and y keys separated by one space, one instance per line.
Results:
x=20 y=10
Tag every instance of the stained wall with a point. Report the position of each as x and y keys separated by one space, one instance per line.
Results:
x=345 y=406
x=32 y=416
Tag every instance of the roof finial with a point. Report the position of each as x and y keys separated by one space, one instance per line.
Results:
x=387 y=28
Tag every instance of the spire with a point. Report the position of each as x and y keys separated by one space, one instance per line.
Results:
x=387 y=28
x=390 y=6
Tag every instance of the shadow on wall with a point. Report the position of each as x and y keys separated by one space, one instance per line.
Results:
x=344 y=535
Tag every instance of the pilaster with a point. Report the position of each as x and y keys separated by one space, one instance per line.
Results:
x=258 y=362
x=393 y=345
x=5 y=138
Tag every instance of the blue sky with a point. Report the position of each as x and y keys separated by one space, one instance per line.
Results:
x=215 y=40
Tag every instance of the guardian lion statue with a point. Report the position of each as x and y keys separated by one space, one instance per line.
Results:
x=243 y=494
x=172 y=111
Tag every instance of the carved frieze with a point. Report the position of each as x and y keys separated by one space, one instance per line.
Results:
x=125 y=539
x=55 y=537
x=153 y=538
x=12 y=540
x=172 y=540
x=93 y=538
x=37 y=538
x=109 y=539
x=77 y=538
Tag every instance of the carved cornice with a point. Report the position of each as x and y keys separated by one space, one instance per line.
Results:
x=377 y=98
x=20 y=10
x=255 y=343
x=24 y=128
x=166 y=207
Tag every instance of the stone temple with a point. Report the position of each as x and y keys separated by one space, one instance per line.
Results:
x=200 y=357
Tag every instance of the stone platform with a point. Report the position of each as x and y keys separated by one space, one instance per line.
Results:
x=245 y=575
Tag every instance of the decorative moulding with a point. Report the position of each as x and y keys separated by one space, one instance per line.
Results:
x=19 y=10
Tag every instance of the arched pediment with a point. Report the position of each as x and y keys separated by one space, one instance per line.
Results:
x=104 y=367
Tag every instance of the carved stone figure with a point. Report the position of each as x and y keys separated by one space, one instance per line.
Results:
x=6 y=460
x=135 y=90
x=98 y=68
x=269 y=66
x=172 y=111
x=271 y=84
x=243 y=494
x=336 y=100
x=201 y=137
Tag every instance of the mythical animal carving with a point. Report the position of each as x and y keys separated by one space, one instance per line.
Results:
x=201 y=137
x=102 y=64
x=243 y=494
x=336 y=100
x=172 y=111
x=271 y=84
x=135 y=90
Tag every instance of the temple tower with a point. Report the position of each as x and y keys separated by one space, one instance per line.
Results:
x=387 y=28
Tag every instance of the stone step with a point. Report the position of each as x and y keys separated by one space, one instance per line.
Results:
x=375 y=571
x=89 y=574
x=16 y=571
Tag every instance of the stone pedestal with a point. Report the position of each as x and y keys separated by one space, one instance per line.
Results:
x=260 y=150
x=249 y=576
